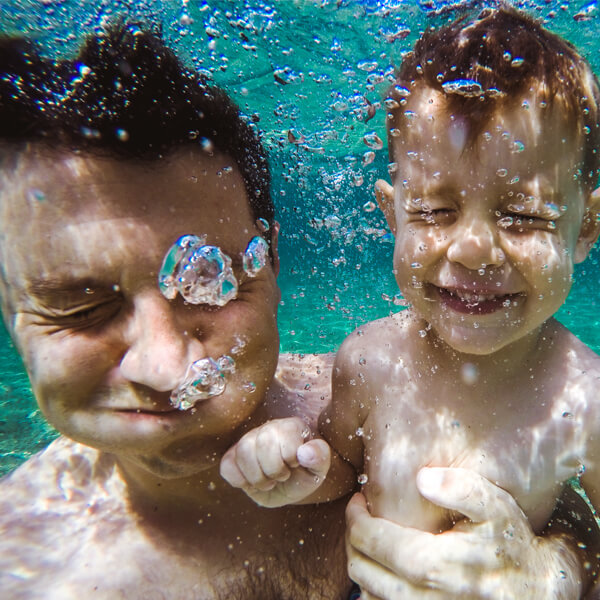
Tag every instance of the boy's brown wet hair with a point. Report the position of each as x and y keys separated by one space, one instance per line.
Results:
x=505 y=56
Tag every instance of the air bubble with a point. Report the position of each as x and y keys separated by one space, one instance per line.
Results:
x=517 y=147
x=362 y=478
x=201 y=273
x=204 y=379
x=502 y=172
x=256 y=256
x=369 y=206
x=463 y=87
x=372 y=140
x=368 y=158
x=262 y=224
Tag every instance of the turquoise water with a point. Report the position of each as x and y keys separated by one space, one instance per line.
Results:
x=304 y=67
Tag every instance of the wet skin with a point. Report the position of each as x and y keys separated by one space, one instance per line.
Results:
x=486 y=236
x=102 y=346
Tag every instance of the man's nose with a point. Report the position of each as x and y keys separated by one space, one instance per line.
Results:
x=160 y=348
x=476 y=245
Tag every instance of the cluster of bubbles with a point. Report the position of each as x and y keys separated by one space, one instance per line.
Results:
x=204 y=379
x=202 y=274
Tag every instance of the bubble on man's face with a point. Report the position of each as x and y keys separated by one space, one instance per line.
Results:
x=201 y=273
x=205 y=378
x=256 y=256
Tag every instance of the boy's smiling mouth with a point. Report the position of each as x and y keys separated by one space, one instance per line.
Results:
x=474 y=302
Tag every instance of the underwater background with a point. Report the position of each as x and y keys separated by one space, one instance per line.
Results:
x=309 y=74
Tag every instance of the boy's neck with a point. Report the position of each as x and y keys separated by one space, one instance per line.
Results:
x=510 y=361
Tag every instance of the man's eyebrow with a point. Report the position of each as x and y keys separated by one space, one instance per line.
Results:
x=55 y=285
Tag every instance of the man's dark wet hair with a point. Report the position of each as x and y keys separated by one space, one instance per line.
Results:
x=125 y=95
x=505 y=55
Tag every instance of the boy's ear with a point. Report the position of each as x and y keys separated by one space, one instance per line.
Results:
x=384 y=193
x=590 y=228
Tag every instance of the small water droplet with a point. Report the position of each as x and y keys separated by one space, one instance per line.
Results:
x=369 y=206
x=517 y=146
x=505 y=222
x=368 y=158
x=373 y=141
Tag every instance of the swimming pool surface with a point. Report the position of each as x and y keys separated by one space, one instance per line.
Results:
x=307 y=72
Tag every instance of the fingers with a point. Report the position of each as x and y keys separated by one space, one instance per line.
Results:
x=413 y=557
x=468 y=493
x=264 y=456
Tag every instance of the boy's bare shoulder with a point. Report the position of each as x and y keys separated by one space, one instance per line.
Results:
x=301 y=386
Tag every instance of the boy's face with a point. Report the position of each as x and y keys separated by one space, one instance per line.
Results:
x=486 y=236
x=82 y=241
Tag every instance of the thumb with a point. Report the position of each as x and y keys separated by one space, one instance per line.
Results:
x=315 y=456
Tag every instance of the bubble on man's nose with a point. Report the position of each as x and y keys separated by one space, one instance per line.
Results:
x=205 y=378
x=256 y=256
x=201 y=273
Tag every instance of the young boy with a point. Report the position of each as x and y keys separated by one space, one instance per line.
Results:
x=493 y=131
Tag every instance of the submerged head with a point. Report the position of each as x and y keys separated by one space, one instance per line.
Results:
x=87 y=215
x=494 y=139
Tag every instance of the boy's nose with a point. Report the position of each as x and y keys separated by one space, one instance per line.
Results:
x=475 y=246
x=160 y=349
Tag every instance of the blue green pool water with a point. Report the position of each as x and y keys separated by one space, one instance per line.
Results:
x=305 y=71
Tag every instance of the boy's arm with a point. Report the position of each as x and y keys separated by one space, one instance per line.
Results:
x=340 y=423
x=278 y=464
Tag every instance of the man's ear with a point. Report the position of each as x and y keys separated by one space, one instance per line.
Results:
x=590 y=228
x=384 y=193
x=274 y=247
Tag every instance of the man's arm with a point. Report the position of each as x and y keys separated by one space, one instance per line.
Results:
x=493 y=553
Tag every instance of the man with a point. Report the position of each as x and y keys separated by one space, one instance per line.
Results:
x=105 y=162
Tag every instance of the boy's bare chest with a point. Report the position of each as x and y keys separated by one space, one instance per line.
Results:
x=527 y=452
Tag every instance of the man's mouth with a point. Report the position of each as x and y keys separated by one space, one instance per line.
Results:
x=474 y=302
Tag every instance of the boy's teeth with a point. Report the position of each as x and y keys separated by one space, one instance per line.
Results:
x=471 y=297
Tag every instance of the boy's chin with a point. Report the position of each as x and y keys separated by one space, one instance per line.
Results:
x=465 y=339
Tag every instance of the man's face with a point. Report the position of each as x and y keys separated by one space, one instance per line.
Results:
x=486 y=236
x=82 y=241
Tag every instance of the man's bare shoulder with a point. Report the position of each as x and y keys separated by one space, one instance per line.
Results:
x=378 y=343
x=50 y=508
x=301 y=386
x=65 y=473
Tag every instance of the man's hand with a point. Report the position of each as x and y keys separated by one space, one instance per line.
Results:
x=277 y=464
x=492 y=554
